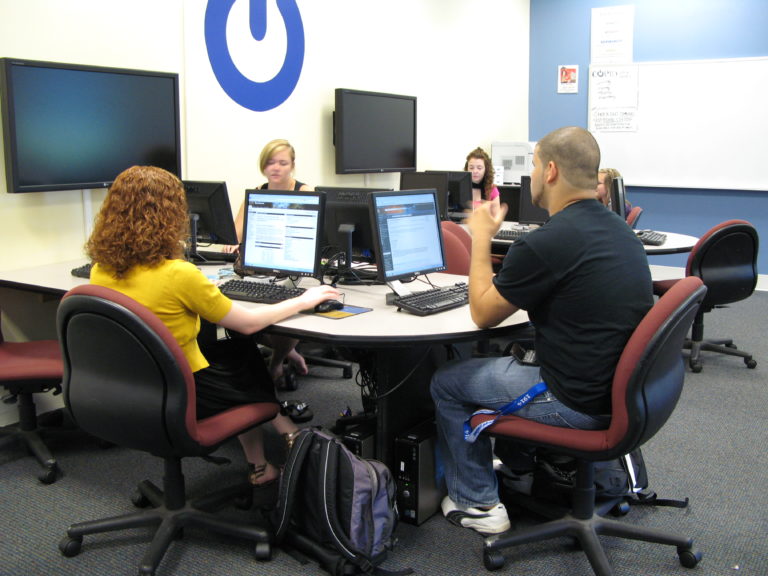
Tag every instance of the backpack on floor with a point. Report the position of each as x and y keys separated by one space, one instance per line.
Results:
x=335 y=507
x=623 y=480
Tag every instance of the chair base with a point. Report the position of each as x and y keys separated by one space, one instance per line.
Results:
x=724 y=346
x=586 y=531
x=29 y=433
x=170 y=512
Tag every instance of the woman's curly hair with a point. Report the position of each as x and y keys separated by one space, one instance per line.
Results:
x=143 y=221
x=480 y=154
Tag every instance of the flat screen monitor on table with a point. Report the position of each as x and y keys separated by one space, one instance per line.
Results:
x=407 y=231
x=428 y=181
x=619 y=198
x=282 y=232
x=529 y=212
x=210 y=215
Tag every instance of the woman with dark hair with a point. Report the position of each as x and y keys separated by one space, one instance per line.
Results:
x=137 y=248
x=479 y=164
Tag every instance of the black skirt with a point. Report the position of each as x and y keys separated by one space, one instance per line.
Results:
x=237 y=375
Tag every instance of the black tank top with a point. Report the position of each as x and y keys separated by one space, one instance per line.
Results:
x=296 y=187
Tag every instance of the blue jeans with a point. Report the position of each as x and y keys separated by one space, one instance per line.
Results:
x=458 y=389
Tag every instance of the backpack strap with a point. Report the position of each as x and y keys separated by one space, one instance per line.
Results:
x=281 y=517
x=649 y=498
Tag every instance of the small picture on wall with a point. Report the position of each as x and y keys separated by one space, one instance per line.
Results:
x=568 y=79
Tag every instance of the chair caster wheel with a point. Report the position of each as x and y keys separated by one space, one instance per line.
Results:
x=493 y=559
x=49 y=476
x=621 y=509
x=750 y=362
x=70 y=546
x=696 y=367
x=262 y=551
x=139 y=499
x=689 y=557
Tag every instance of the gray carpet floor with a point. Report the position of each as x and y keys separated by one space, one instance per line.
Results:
x=713 y=451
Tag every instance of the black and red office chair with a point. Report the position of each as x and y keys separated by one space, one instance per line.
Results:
x=456 y=252
x=633 y=216
x=725 y=258
x=26 y=369
x=646 y=387
x=126 y=381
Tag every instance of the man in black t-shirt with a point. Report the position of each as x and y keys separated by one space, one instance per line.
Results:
x=584 y=280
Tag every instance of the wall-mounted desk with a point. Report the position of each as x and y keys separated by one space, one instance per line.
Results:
x=403 y=350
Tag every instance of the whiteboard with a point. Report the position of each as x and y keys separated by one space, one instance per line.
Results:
x=697 y=124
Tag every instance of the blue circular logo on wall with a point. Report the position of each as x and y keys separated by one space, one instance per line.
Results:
x=258 y=96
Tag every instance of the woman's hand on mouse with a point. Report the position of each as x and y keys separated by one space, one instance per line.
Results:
x=316 y=294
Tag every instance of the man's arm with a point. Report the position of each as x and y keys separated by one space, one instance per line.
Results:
x=487 y=306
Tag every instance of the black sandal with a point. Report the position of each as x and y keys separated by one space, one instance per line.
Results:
x=299 y=412
x=287 y=380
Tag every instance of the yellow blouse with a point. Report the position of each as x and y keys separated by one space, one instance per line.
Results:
x=179 y=294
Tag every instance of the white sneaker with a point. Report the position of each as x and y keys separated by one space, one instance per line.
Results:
x=493 y=521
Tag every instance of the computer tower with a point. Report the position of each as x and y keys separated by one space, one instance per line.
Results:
x=418 y=496
x=361 y=439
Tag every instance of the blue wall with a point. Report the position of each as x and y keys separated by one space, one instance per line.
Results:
x=664 y=30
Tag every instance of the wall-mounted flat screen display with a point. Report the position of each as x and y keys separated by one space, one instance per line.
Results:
x=72 y=127
x=374 y=132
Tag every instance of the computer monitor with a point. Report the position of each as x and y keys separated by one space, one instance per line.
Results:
x=348 y=226
x=510 y=195
x=210 y=215
x=429 y=181
x=459 y=189
x=619 y=198
x=282 y=232
x=529 y=212
x=406 y=227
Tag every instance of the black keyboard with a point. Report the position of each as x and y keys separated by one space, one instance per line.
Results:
x=261 y=292
x=83 y=271
x=511 y=234
x=435 y=300
x=651 y=238
x=214 y=256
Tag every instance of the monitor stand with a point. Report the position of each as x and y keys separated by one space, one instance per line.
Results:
x=346 y=273
x=192 y=255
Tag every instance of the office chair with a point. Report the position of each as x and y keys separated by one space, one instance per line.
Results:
x=126 y=381
x=633 y=216
x=725 y=258
x=646 y=387
x=26 y=369
x=456 y=252
x=459 y=232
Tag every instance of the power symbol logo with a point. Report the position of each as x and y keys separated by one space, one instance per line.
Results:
x=257 y=96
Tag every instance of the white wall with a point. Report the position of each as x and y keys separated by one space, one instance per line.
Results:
x=449 y=53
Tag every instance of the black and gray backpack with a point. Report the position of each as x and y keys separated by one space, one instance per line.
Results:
x=335 y=507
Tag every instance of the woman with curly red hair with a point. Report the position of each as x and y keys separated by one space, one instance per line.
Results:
x=137 y=248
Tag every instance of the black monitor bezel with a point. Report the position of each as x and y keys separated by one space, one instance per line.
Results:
x=217 y=214
x=459 y=189
x=529 y=212
x=382 y=273
x=359 y=217
x=283 y=272
x=619 y=197
x=351 y=134
x=431 y=178
x=12 y=131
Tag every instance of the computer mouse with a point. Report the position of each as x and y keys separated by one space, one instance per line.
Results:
x=329 y=305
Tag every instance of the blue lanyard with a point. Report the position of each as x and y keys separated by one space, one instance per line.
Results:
x=470 y=434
